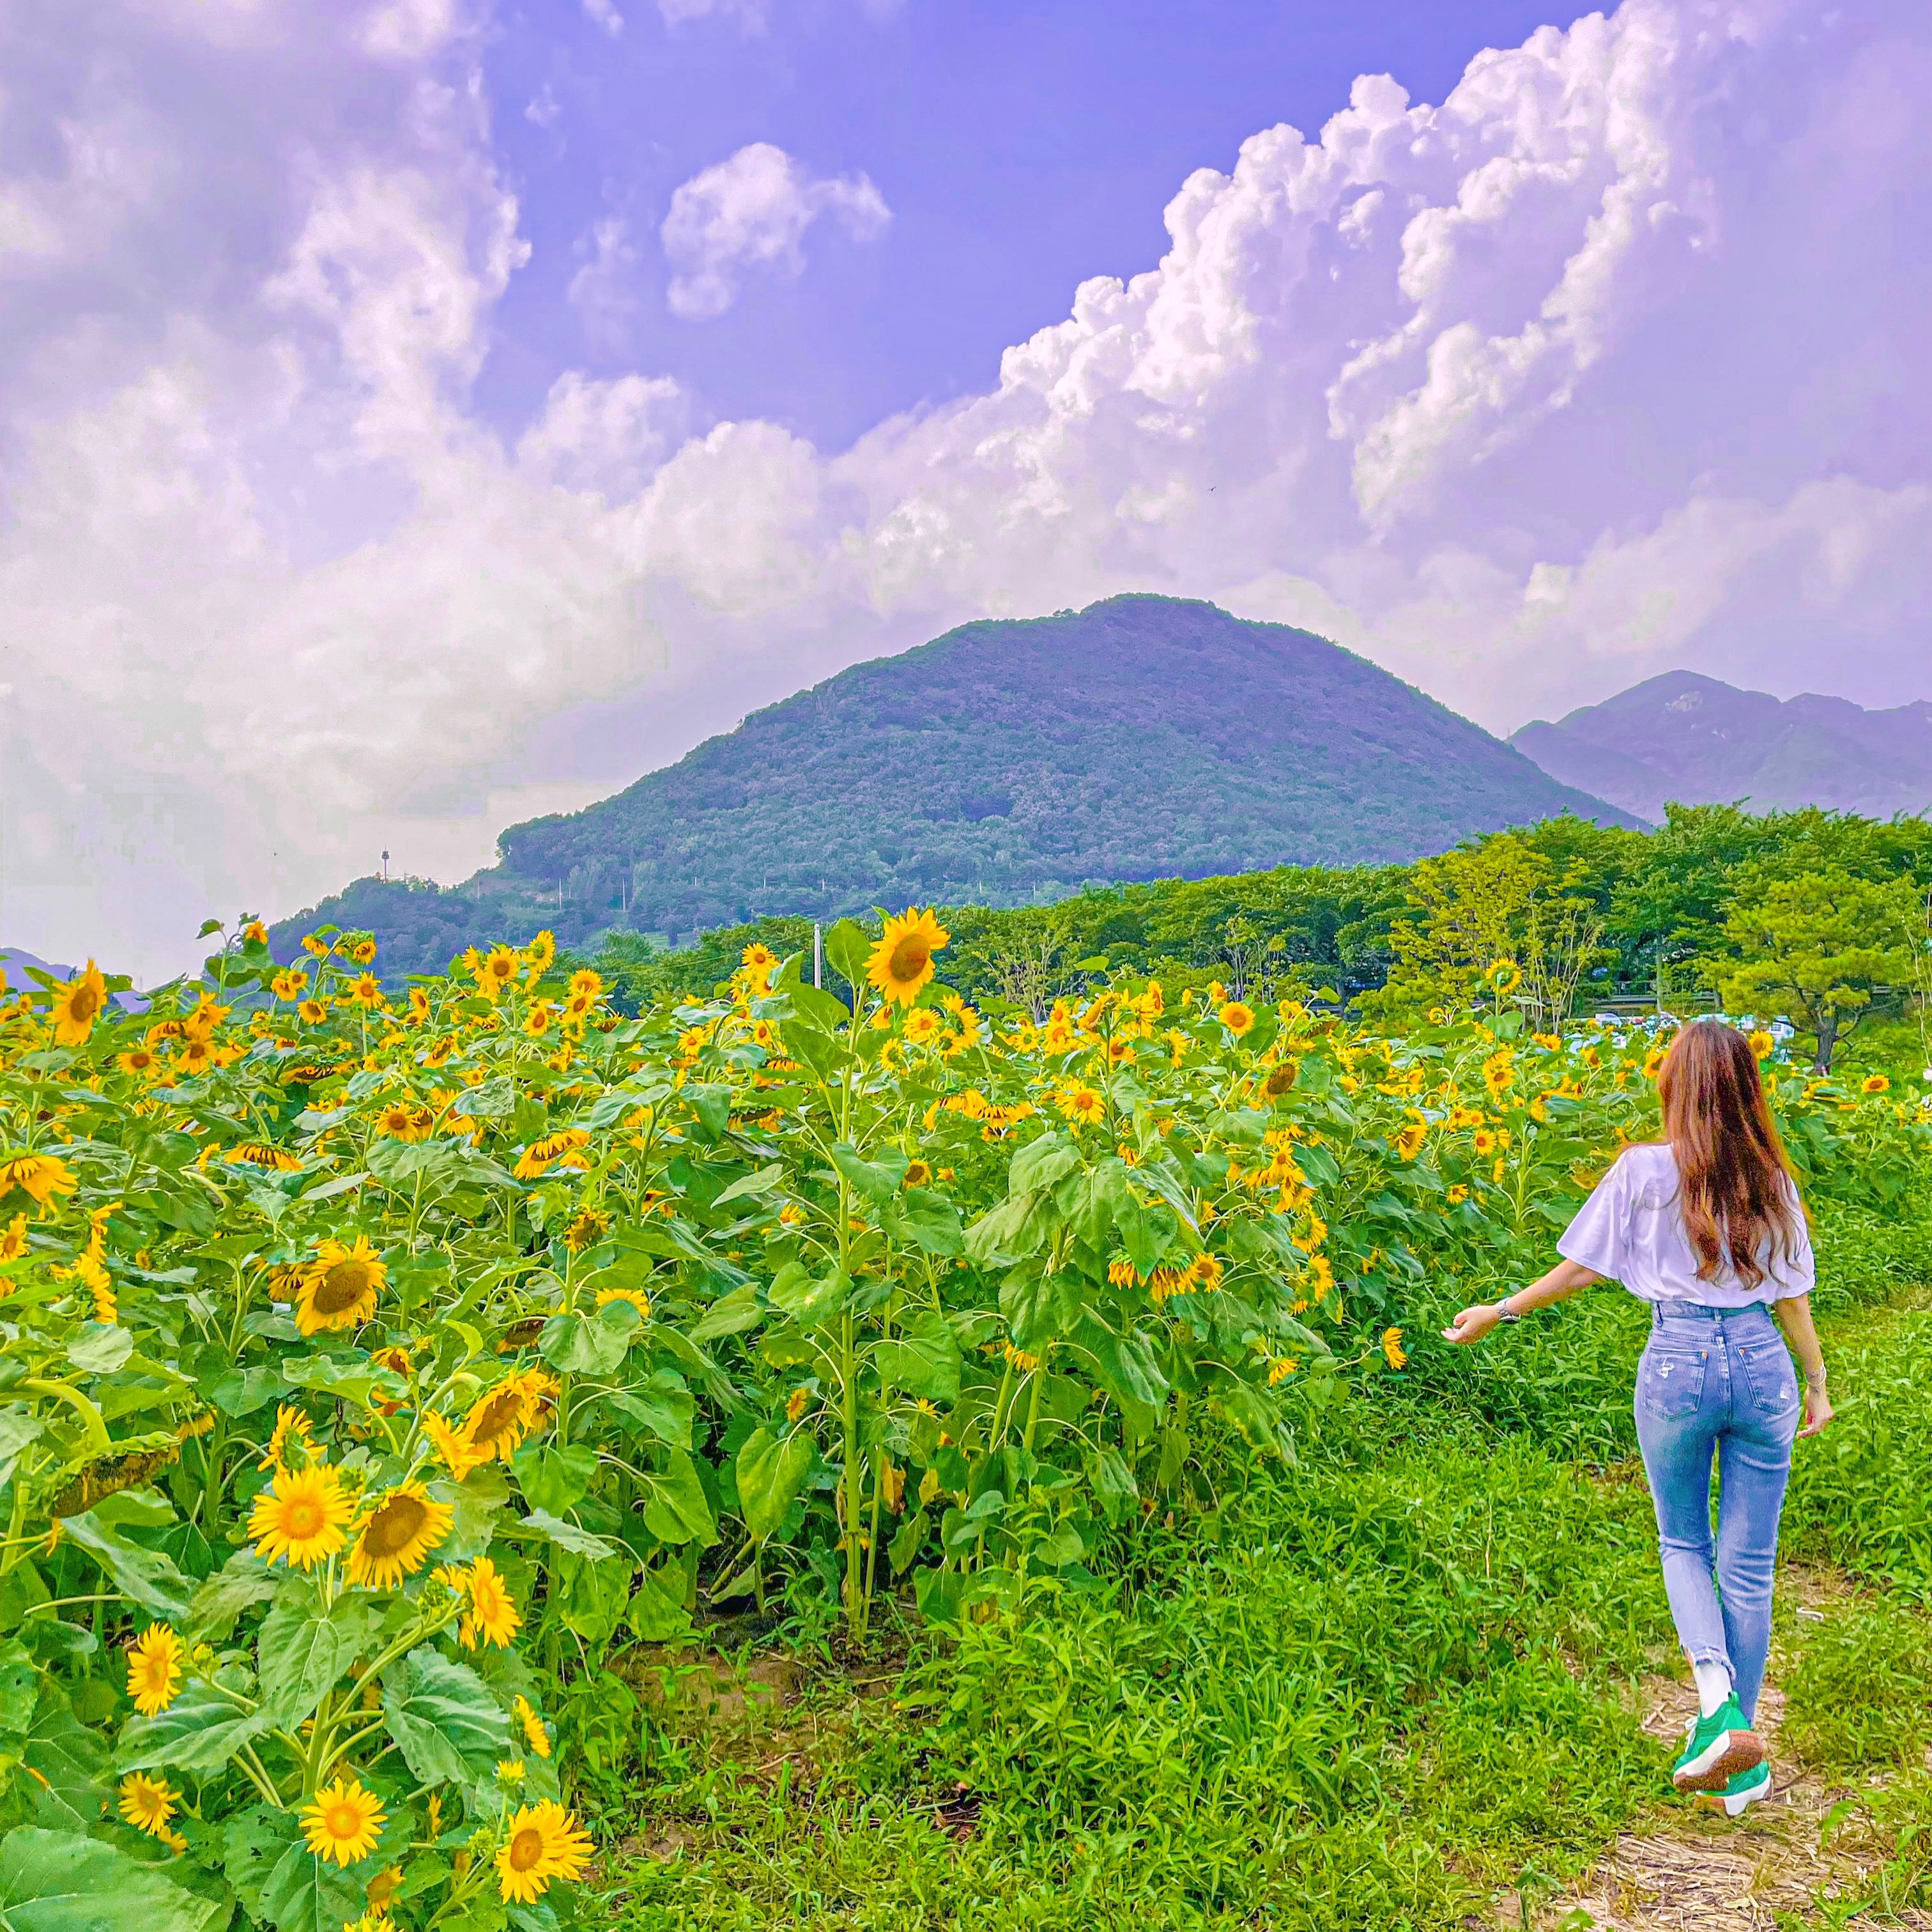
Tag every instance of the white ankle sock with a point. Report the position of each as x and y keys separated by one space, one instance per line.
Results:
x=1713 y=1686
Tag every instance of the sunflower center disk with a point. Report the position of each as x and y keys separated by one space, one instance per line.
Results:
x=342 y=1287
x=395 y=1526
x=525 y=1850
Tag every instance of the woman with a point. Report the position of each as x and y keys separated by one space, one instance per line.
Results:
x=1706 y=1225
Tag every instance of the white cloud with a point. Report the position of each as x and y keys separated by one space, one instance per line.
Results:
x=1610 y=362
x=606 y=16
x=603 y=291
x=752 y=211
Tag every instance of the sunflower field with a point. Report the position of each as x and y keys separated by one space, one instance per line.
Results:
x=380 y=1359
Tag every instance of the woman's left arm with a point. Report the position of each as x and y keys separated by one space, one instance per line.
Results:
x=1794 y=1317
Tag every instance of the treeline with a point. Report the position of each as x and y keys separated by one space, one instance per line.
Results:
x=1820 y=916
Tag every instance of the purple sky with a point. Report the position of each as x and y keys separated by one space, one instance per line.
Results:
x=416 y=414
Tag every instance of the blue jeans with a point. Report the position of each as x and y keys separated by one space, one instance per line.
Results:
x=1718 y=1380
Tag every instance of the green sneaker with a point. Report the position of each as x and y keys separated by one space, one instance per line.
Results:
x=1738 y=1796
x=1717 y=1748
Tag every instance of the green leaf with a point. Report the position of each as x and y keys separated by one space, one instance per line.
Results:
x=1127 y=1365
x=242 y=1582
x=63 y=1882
x=770 y=1474
x=19 y=1687
x=654 y=1615
x=443 y=1719
x=730 y=1315
x=354 y=1379
x=304 y=1650
x=99 y=1351
x=877 y=1180
x=711 y=1109
x=17 y=1429
x=677 y=1511
x=809 y=1302
x=818 y=1008
x=307 y=1893
x=819 y=1051
x=923 y=1359
x=253 y=1844
x=143 y=1575
x=907 y=1541
x=568 y=1536
x=765 y=1181
x=925 y=1220
x=1251 y=1412
x=663 y=1407
x=197 y=1734
x=1039 y=1307
x=1041 y=1162
x=589 y=1345
x=848 y=948
x=555 y=1480
x=69 y=1761
x=1113 y=1480
x=1014 y=1229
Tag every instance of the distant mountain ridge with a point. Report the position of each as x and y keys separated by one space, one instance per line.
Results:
x=1700 y=741
x=1007 y=761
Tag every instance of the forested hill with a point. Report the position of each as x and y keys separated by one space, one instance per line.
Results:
x=1700 y=741
x=1005 y=762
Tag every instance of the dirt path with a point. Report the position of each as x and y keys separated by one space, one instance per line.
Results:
x=1686 y=1870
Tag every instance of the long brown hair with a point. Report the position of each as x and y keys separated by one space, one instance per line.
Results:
x=1739 y=1201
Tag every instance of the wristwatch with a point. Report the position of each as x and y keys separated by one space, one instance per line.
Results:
x=1504 y=1311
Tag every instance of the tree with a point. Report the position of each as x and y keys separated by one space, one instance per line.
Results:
x=1824 y=944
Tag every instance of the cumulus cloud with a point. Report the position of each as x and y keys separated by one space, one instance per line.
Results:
x=606 y=16
x=753 y=211
x=1609 y=362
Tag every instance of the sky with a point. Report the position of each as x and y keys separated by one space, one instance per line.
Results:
x=416 y=415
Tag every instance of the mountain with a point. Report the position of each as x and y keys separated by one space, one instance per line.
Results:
x=1700 y=742
x=1007 y=762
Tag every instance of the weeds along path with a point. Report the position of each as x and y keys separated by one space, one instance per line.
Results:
x=1422 y=1681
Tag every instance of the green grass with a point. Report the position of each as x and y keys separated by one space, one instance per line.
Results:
x=1374 y=1690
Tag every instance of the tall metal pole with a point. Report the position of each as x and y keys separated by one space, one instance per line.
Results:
x=818 y=955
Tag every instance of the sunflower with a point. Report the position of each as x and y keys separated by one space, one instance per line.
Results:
x=1504 y=976
x=292 y=1426
x=1409 y=1142
x=492 y=1615
x=917 y=1174
x=139 y=1060
x=196 y=1056
x=1238 y=1017
x=542 y=951
x=1484 y=1141
x=1203 y=1271
x=77 y=1006
x=14 y=1241
x=537 y=1021
x=498 y=1422
x=302 y=1515
x=441 y=1051
x=1875 y=1083
x=361 y=952
x=636 y=1296
x=537 y=1738
x=1393 y=1352
x=366 y=990
x=339 y=1288
x=761 y=959
x=148 y=1803
x=395 y=1538
x=41 y=1175
x=383 y=1888
x=312 y=1012
x=921 y=1024
x=901 y=962
x=291 y=985
x=495 y=971
x=399 y=1120
x=585 y=984
x=343 y=1822
x=1080 y=1103
x=154 y=1669
x=460 y=1454
x=316 y=947
x=541 y=1842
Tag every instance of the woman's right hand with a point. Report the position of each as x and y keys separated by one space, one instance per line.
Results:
x=1473 y=1323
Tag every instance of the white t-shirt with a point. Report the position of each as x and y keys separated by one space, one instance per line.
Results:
x=1631 y=1230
